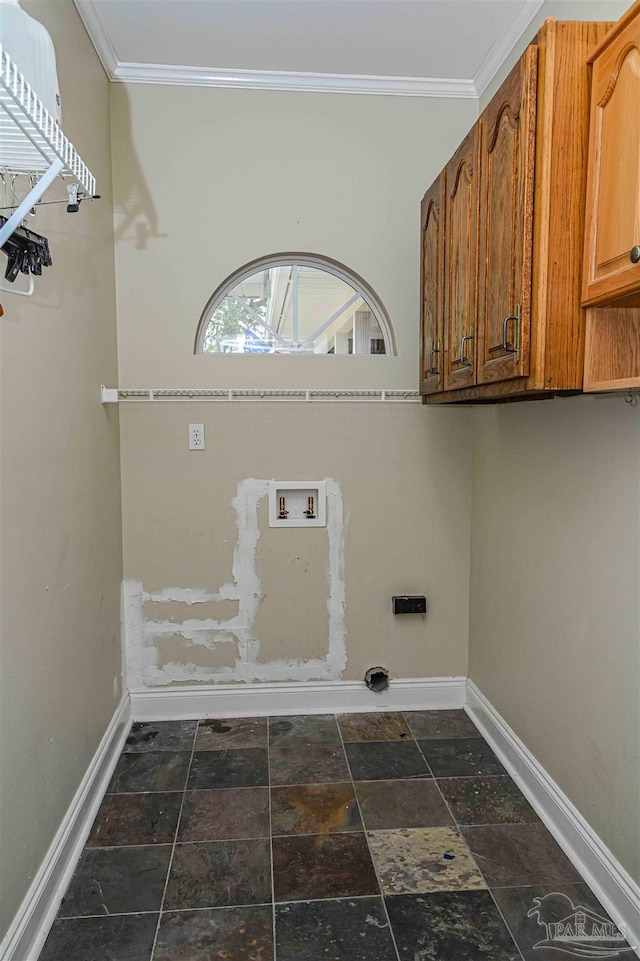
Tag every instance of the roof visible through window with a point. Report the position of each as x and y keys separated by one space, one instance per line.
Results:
x=294 y=305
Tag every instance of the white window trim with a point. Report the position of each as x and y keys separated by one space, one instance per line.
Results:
x=310 y=260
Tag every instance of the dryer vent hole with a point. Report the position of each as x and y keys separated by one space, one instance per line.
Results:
x=377 y=679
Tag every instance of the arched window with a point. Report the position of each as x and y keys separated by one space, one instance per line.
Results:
x=294 y=304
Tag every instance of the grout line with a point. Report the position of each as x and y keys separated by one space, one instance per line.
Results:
x=273 y=885
x=175 y=841
x=119 y=914
x=219 y=907
x=424 y=758
x=130 y=793
x=373 y=862
x=351 y=897
x=506 y=923
x=457 y=777
x=156 y=845
x=458 y=827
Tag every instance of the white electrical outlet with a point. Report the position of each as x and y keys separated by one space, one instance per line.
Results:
x=196 y=436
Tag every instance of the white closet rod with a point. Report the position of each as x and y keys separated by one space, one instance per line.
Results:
x=114 y=395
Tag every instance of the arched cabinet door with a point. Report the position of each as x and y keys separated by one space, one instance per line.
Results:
x=612 y=238
x=507 y=161
x=461 y=252
x=432 y=287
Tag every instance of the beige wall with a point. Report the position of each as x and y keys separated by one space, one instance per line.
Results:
x=60 y=495
x=207 y=180
x=554 y=613
x=243 y=175
x=403 y=476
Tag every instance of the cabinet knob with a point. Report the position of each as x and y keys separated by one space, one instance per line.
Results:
x=634 y=254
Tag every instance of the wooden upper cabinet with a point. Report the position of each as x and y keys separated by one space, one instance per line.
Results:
x=432 y=288
x=460 y=263
x=514 y=224
x=612 y=238
x=507 y=156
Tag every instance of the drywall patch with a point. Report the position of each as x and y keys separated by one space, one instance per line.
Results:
x=174 y=611
x=143 y=637
x=336 y=603
x=172 y=649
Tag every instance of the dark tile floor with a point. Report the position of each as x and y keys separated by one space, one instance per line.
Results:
x=361 y=837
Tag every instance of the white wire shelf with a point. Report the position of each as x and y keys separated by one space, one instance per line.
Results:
x=115 y=395
x=31 y=141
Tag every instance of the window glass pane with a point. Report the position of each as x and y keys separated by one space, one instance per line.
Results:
x=293 y=308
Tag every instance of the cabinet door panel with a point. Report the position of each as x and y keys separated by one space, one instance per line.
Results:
x=461 y=240
x=507 y=157
x=613 y=187
x=432 y=287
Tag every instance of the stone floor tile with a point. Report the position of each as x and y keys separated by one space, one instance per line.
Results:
x=383 y=726
x=342 y=930
x=450 y=926
x=136 y=819
x=153 y=771
x=126 y=880
x=117 y=938
x=235 y=934
x=518 y=854
x=231 y=733
x=303 y=729
x=221 y=769
x=402 y=804
x=486 y=800
x=460 y=757
x=314 y=809
x=385 y=760
x=315 y=764
x=437 y=724
x=309 y=867
x=161 y=736
x=219 y=874
x=417 y=860
x=225 y=813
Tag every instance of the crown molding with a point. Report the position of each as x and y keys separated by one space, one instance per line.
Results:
x=523 y=16
x=171 y=74
x=283 y=80
x=98 y=35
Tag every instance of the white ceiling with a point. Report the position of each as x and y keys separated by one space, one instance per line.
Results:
x=419 y=47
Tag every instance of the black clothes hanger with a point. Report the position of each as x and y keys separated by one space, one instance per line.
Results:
x=26 y=251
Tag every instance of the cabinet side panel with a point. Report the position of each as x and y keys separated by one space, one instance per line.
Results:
x=612 y=354
x=561 y=163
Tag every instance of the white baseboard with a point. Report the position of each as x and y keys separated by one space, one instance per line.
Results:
x=28 y=932
x=610 y=882
x=310 y=697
